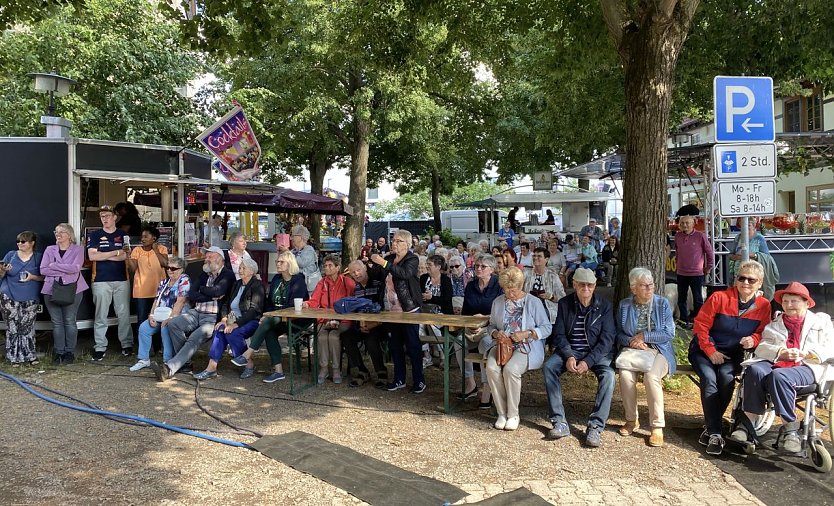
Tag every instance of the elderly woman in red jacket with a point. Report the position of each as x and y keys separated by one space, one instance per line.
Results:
x=332 y=287
x=730 y=322
x=792 y=353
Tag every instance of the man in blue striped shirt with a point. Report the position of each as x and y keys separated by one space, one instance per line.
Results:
x=583 y=338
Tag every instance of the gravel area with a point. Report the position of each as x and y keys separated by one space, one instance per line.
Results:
x=52 y=455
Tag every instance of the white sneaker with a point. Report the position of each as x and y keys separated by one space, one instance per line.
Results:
x=141 y=364
x=427 y=362
x=512 y=423
x=501 y=422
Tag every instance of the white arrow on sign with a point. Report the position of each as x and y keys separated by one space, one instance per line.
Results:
x=746 y=125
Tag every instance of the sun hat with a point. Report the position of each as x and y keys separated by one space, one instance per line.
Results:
x=794 y=288
x=584 y=275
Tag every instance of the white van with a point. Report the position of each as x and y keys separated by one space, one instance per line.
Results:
x=472 y=224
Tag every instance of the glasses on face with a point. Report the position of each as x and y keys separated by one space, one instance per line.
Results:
x=479 y=267
x=21 y=241
x=645 y=286
x=172 y=269
x=397 y=241
x=59 y=232
x=585 y=285
x=747 y=280
x=454 y=266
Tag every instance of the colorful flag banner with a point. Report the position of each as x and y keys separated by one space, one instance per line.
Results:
x=233 y=142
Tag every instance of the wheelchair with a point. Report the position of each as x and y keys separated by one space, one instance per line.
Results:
x=810 y=400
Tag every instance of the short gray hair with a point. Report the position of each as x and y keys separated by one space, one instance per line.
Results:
x=753 y=266
x=403 y=234
x=178 y=262
x=639 y=273
x=486 y=259
x=234 y=236
x=302 y=231
x=250 y=265
x=66 y=227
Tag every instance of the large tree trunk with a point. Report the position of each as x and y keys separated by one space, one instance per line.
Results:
x=435 y=199
x=648 y=40
x=318 y=168
x=354 y=225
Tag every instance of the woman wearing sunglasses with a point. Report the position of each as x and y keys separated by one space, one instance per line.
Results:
x=171 y=298
x=20 y=286
x=729 y=322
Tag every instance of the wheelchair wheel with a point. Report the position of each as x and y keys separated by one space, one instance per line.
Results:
x=762 y=423
x=820 y=457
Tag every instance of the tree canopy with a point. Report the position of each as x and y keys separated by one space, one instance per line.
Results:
x=128 y=65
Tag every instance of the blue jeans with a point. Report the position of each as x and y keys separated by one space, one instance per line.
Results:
x=146 y=333
x=717 y=384
x=407 y=335
x=555 y=367
x=684 y=284
x=761 y=379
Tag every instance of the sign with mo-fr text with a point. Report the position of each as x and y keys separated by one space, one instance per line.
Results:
x=747 y=198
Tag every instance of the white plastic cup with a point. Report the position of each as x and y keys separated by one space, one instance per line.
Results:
x=297 y=303
x=24 y=275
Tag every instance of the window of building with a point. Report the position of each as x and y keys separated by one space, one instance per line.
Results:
x=373 y=193
x=820 y=199
x=804 y=114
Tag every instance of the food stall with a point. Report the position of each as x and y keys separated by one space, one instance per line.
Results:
x=574 y=208
x=53 y=180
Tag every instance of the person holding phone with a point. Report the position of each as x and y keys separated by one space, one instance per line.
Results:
x=20 y=286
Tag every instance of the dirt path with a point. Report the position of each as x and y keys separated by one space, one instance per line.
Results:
x=53 y=455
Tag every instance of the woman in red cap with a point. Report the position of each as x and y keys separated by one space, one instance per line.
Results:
x=793 y=347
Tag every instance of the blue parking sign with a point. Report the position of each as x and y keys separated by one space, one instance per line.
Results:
x=743 y=109
x=728 y=162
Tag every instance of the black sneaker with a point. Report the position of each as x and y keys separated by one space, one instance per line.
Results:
x=98 y=356
x=703 y=439
x=186 y=368
x=715 y=445
x=57 y=358
x=126 y=352
x=67 y=358
x=419 y=388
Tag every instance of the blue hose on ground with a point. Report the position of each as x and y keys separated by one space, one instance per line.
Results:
x=102 y=412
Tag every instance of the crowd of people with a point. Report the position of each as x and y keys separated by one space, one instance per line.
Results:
x=519 y=285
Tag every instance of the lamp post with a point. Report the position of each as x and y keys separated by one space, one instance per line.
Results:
x=55 y=86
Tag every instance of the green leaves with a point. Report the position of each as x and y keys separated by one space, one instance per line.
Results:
x=127 y=66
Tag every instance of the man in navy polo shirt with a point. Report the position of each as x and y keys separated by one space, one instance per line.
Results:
x=106 y=248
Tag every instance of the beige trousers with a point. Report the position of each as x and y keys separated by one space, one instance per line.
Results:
x=653 y=381
x=330 y=347
x=505 y=382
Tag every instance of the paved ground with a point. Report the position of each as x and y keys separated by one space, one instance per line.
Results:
x=52 y=455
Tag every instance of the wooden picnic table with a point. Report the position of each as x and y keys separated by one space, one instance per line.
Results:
x=445 y=321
